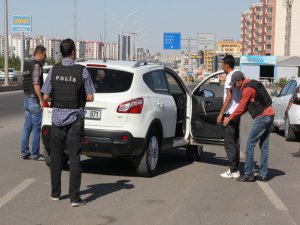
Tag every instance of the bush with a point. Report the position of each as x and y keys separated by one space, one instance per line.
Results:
x=282 y=82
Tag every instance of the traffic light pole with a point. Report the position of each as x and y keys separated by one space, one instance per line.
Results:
x=6 y=44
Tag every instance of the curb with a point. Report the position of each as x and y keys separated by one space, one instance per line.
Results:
x=11 y=88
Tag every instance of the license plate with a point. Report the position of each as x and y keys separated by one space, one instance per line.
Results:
x=92 y=114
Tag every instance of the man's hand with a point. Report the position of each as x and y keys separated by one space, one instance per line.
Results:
x=219 y=119
x=226 y=121
x=41 y=105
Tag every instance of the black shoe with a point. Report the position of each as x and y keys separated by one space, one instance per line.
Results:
x=39 y=157
x=26 y=157
x=246 y=178
x=261 y=179
x=296 y=154
x=77 y=203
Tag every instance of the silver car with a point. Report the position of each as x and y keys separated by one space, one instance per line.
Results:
x=12 y=75
x=287 y=109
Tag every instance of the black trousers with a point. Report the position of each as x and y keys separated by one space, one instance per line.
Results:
x=73 y=134
x=232 y=144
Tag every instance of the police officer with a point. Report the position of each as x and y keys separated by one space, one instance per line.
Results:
x=33 y=104
x=70 y=87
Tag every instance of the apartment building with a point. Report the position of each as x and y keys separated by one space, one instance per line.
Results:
x=93 y=50
x=53 y=48
x=257 y=29
x=80 y=49
x=111 y=51
x=208 y=61
x=2 y=46
x=287 y=28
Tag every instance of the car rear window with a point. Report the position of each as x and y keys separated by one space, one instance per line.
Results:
x=110 y=81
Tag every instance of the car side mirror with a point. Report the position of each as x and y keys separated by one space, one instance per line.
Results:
x=274 y=93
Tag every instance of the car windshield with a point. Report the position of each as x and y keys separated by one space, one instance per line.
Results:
x=10 y=70
x=110 y=81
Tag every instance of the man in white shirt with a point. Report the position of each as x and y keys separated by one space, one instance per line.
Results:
x=232 y=96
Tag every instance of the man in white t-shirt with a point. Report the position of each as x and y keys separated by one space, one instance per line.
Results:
x=232 y=96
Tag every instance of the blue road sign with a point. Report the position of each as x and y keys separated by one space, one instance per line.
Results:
x=172 y=41
x=21 y=23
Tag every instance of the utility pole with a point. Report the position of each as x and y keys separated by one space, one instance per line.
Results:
x=288 y=23
x=189 y=39
x=75 y=21
x=6 y=43
x=22 y=51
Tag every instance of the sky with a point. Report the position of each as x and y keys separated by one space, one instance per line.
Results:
x=149 y=18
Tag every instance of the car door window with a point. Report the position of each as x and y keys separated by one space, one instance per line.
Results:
x=285 y=89
x=159 y=83
x=292 y=88
x=174 y=87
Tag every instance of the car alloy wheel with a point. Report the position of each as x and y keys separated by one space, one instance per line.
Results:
x=153 y=153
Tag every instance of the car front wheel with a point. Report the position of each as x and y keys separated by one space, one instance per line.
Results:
x=194 y=152
x=147 y=163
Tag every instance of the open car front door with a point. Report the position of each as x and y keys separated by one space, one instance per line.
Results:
x=207 y=101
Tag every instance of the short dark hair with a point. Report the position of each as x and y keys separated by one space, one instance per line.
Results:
x=38 y=49
x=229 y=60
x=67 y=46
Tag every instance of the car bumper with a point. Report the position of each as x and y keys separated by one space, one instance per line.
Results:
x=103 y=142
x=296 y=127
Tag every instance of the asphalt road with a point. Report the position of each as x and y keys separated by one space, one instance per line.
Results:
x=181 y=194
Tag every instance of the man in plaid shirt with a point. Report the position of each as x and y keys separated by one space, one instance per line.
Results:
x=69 y=86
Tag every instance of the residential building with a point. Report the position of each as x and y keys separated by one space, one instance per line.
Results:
x=257 y=29
x=80 y=49
x=111 y=51
x=287 y=28
x=124 y=47
x=2 y=45
x=228 y=47
x=53 y=49
x=15 y=45
x=35 y=41
x=208 y=60
x=93 y=50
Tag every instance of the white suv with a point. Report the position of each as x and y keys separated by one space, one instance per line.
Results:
x=141 y=109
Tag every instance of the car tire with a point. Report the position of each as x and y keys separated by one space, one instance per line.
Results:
x=146 y=164
x=46 y=153
x=289 y=134
x=274 y=129
x=194 y=152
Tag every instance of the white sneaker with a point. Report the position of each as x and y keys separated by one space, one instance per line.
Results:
x=228 y=174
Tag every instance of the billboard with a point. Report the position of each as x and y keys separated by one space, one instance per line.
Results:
x=172 y=41
x=206 y=41
x=21 y=24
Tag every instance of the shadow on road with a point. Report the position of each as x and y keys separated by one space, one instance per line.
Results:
x=169 y=161
x=211 y=158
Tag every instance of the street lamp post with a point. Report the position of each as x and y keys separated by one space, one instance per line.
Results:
x=6 y=43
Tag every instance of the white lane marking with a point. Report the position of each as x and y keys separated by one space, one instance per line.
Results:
x=10 y=92
x=14 y=192
x=274 y=199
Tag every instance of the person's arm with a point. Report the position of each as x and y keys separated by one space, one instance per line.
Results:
x=36 y=76
x=88 y=86
x=241 y=109
x=225 y=104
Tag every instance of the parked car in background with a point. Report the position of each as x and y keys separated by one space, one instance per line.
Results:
x=215 y=80
x=12 y=75
x=287 y=109
x=46 y=70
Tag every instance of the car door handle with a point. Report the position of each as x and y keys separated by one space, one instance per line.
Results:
x=207 y=104
x=203 y=108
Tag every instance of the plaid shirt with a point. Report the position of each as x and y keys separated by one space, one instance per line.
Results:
x=63 y=117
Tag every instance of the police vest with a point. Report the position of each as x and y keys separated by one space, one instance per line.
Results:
x=262 y=99
x=28 y=85
x=67 y=87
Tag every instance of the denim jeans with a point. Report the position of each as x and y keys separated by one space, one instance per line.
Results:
x=33 y=120
x=260 y=131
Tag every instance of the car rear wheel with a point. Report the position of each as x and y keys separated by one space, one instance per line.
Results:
x=289 y=134
x=46 y=153
x=147 y=163
x=274 y=129
x=194 y=152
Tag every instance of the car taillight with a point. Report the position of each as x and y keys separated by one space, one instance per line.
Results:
x=134 y=106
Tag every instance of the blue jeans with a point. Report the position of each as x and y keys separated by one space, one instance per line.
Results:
x=260 y=131
x=33 y=120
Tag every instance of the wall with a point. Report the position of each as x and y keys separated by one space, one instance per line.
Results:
x=287 y=72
